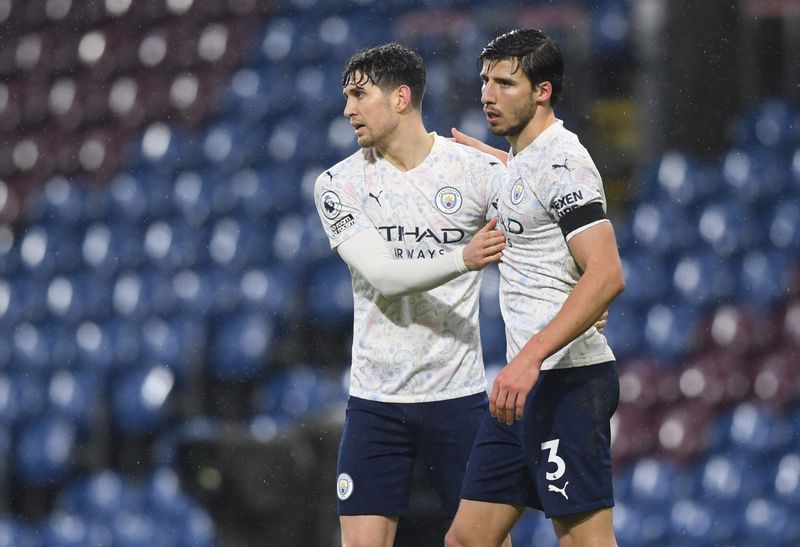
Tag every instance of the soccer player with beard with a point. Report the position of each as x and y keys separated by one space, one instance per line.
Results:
x=545 y=442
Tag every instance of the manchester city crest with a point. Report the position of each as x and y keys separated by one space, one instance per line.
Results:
x=517 y=192
x=448 y=200
x=344 y=486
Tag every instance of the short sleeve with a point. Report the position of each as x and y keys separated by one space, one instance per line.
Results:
x=339 y=207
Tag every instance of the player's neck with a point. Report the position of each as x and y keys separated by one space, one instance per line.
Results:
x=408 y=147
x=543 y=117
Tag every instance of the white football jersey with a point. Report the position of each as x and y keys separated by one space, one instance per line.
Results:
x=426 y=346
x=546 y=180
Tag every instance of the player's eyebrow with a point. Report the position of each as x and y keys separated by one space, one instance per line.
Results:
x=350 y=87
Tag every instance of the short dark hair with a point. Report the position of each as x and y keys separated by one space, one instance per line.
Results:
x=537 y=54
x=387 y=66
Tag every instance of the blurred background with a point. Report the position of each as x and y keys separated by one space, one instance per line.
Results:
x=175 y=331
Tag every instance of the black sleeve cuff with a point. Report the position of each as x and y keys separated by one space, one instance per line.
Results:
x=591 y=212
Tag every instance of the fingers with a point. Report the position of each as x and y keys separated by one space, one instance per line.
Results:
x=493 y=400
x=488 y=226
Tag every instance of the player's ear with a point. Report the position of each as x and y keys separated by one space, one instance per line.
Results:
x=403 y=97
x=543 y=91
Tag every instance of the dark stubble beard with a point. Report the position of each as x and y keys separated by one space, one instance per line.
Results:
x=522 y=117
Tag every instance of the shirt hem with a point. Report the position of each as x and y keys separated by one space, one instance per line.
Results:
x=417 y=398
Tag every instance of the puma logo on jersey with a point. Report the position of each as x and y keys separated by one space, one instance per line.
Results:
x=562 y=491
x=376 y=198
x=562 y=166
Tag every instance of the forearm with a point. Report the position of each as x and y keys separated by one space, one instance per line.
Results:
x=368 y=254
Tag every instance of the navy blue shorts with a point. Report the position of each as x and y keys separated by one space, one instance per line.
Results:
x=381 y=441
x=558 y=458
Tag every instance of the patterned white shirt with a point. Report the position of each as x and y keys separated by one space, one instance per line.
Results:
x=426 y=346
x=548 y=179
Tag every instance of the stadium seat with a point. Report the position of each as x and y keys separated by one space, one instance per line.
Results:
x=670 y=331
x=646 y=278
x=782 y=223
x=788 y=323
x=738 y=330
x=771 y=123
x=297 y=393
x=751 y=430
x=648 y=385
x=77 y=396
x=31 y=348
x=139 y=400
x=198 y=196
x=766 y=278
x=240 y=349
x=727 y=227
x=270 y=291
x=694 y=523
x=329 y=294
x=785 y=480
x=684 y=431
x=624 y=331
x=703 y=279
x=727 y=480
x=73 y=530
x=633 y=434
x=43 y=452
x=775 y=378
x=176 y=342
x=136 y=529
x=98 y=496
x=16 y=533
x=23 y=397
x=767 y=522
x=236 y=243
x=716 y=378
x=754 y=175
x=661 y=228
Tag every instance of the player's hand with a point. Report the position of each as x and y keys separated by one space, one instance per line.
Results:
x=463 y=138
x=485 y=247
x=602 y=322
x=510 y=389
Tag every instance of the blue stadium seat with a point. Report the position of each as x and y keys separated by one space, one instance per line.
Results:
x=139 y=400
x=163 y=496
x=329 y=293
x=109 y=247
x=230 y=146
x=65 y=302
x=766 y=278
x=31 y=348
x=61 y=203
x=76 y=396
x=196 y=291
x=773 y=123
x=646 y=279
x=728 y=228
x=662 y=228
x=201 y=195
x=624 y=330
x=728 y=480
x=752 y=430
x=137 y=529
x=296 y=393
x=98 y=496
x=235 y=243
x=46 y=250
x=96 y=346
x=9 y=247
x=22 y=396
x=176 y=342
x=611 y=28
x=755 y=175
x=14 y=293
x=782 y=223
x=703 y=279
x=768 y=523
x=241 y=347
x=652 y=484
x=694 y=523
x=270 y=291
x=128 y=199
x=16 y=533
x=73 y=530
x=170 y=246
x=785 y=479
x=44 y=451
x=669 y=330
x=634 y=525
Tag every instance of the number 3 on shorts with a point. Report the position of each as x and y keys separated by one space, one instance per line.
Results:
x=553 y=457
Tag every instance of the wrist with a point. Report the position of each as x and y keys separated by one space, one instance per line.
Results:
x=458 y=257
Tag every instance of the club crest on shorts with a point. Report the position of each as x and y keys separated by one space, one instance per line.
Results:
x=331 y=204
x=517 y=192
x=448 y=200
x=344 y=486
